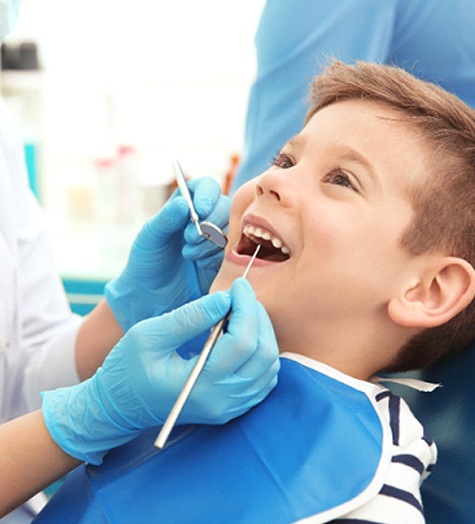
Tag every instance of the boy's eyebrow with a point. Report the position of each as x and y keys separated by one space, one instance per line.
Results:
x=347 y=153
x=352 y=155
x=295 y=141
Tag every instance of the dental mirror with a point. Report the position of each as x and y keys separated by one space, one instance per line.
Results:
x=205 y=229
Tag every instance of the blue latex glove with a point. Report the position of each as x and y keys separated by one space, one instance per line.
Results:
x=143 y=375
x=169 y=263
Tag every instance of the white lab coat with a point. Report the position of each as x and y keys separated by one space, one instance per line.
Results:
x=37 y=328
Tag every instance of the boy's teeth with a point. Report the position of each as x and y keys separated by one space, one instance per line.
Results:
x=266 y=235
x=276 y=243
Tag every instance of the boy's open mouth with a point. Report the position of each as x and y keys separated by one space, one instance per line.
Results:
x=272 y=248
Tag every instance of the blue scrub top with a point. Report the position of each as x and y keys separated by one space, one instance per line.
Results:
x=433 y=39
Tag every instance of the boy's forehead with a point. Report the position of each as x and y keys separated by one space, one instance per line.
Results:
x=366 y=112
x=368 y=132
x=359 y=122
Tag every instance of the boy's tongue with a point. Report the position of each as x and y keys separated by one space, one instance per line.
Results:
x=247 y=246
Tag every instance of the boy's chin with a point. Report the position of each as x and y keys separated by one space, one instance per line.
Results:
x=220 y=283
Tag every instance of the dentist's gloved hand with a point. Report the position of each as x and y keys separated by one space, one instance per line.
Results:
x=143 y=375
x=169 y=263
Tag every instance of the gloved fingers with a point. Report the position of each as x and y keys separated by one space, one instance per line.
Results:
x=219 y=216
x=265 y=360
x=173 y=217
x=183 y=323
x=206 y=256
x=238 y=396
x=207 y=270
x=197 y=247
x=217 y=213
x=206 y=193
x=257 y=391
x=160 y=239
x=239 y=342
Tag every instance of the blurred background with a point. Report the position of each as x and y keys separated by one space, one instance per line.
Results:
x=107 y=93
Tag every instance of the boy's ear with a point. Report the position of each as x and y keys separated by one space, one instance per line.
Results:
x=441 y=292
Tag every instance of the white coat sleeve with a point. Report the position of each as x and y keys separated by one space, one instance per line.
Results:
x=37 y=328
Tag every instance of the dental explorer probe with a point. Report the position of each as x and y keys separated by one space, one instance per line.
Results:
x=205 y=229
x=195 y=372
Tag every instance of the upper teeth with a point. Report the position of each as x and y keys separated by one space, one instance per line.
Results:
x=258 y=232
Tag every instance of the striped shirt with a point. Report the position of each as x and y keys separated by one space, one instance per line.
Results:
x=413 y=457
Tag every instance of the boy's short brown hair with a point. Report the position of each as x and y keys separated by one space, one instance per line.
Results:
x=445 y=205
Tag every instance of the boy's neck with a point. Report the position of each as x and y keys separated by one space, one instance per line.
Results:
x=360 y=350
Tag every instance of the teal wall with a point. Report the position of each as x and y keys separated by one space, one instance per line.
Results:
x=83 y=295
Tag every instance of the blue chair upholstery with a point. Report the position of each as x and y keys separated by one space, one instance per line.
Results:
x=448 y=414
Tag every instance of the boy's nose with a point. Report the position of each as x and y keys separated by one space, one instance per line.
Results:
x=276 y=185
x=264 y=190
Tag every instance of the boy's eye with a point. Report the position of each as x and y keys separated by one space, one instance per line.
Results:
x=339 y=178
x=283 y=161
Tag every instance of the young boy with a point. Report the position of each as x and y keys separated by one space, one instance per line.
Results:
x=366 y=222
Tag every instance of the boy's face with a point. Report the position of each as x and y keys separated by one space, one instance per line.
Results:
x=337 y=199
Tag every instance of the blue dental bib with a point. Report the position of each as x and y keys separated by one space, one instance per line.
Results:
x=316 y=447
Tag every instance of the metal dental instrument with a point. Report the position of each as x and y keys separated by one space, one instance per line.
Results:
x=195 y=372
x=205 y=229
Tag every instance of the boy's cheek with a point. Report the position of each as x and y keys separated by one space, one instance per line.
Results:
x=244 y=195
x=240 y=202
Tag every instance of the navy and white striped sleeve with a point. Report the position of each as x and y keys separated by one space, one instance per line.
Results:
x=414 y=455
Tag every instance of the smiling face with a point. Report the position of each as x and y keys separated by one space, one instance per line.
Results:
x=329 y=214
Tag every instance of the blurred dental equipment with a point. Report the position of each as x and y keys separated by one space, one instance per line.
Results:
x=195 y=372
x=205 y=229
